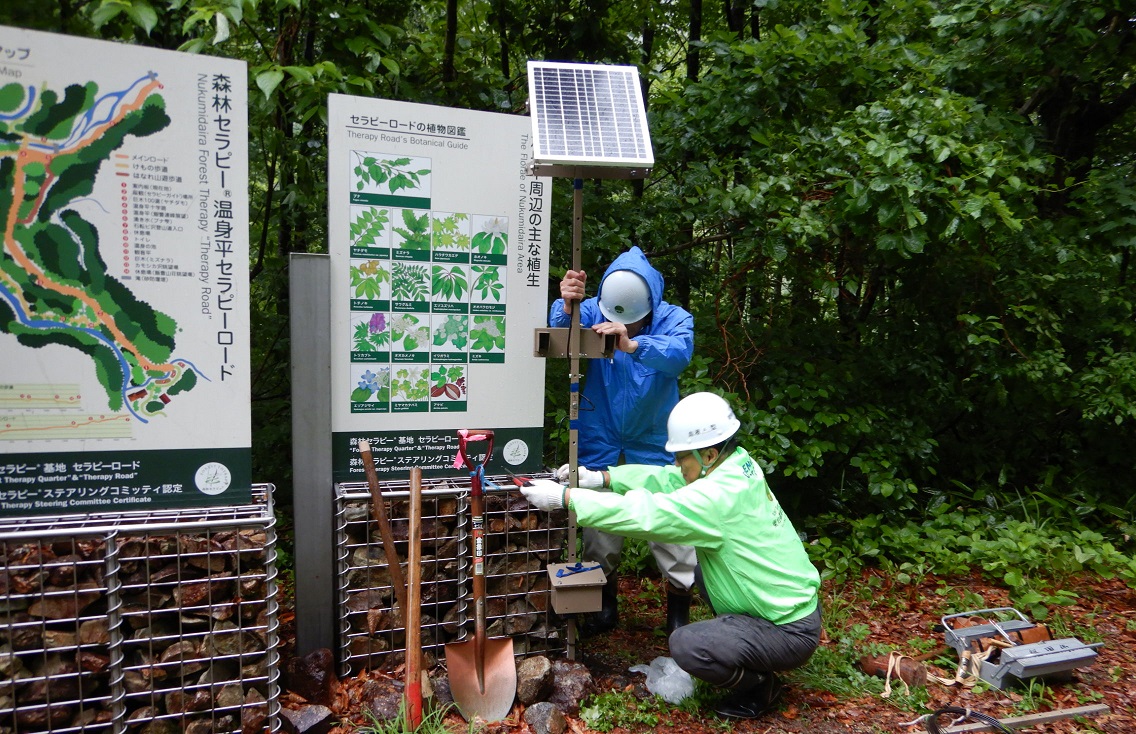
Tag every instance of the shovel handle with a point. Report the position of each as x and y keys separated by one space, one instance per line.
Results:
x=413 y=612
x=379 y=509
x=477 y=539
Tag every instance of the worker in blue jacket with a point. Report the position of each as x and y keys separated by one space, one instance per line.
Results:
x=625 y=404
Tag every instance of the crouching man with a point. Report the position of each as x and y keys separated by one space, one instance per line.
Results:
x=752 y=567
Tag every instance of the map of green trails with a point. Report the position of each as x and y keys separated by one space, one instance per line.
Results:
x=55 y=284
x=123 y=277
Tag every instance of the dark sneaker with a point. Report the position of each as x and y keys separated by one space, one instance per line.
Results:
x=754 y=703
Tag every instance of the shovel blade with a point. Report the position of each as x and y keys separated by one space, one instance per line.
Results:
x=494 y=702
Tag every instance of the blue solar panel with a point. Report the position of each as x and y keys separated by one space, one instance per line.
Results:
x=587 y=113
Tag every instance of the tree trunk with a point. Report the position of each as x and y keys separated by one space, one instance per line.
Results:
x=503 y=36
x=448 y=73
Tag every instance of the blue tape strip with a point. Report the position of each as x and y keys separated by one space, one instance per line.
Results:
x=574 y=387
x=574 y=569
x=487 y=484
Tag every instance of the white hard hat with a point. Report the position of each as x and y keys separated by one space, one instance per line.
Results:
x=624 y=297
x=700 y=420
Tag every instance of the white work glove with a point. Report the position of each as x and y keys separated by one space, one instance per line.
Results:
x=544 y=494
x=585 y=478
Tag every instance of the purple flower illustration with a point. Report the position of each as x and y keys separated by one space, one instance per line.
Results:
x=378 y=323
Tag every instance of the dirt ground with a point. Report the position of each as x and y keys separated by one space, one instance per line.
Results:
x=873 y=615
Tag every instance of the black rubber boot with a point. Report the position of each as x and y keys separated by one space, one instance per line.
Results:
x=753 y=702
x=607 y=618
x=678 y=609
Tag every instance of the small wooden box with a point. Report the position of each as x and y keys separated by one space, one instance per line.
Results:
x=575 y=590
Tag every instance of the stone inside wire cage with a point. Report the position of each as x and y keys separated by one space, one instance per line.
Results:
x=163 y=622
x=520 y=543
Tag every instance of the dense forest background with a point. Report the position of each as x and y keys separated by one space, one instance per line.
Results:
x=905 y=228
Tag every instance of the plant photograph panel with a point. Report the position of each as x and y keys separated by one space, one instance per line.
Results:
x=488 y=284
x=447 y=382
x=370 y=226
x=412 y=230
x=487 y=333
x=370 y=384
x=410 y=383
x=449 y=282
x=410 y=333
x=409 y=281
x=387 y=173
x=370 y=279
x=492 y=235
x=369 y=331
x=450 y=231
x=451 y=332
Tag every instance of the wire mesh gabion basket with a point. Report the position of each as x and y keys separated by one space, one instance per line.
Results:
x=155 y=622
x=520 y=543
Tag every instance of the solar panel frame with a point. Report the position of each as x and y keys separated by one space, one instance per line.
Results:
x=588 y=114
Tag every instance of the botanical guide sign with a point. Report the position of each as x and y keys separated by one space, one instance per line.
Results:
x=124 y=379
x=439 y=253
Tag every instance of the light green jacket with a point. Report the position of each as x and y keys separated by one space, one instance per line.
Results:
x=753 y=561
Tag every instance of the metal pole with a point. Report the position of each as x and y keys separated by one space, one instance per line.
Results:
x=313 y=492
x=574 y=386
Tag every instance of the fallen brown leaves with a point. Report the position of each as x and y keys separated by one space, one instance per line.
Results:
x=896 y=617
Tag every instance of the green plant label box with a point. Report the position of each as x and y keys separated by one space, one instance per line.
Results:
x=370 y=407
x=366 y=304
x=444 y=256
x=410 y=306
x=481 y=258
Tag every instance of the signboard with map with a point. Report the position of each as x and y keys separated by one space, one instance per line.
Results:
x=439 y=258
x=124 y=381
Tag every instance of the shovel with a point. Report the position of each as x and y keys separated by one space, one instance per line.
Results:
x=483 y=673
x=413 y=690
x=379 y=508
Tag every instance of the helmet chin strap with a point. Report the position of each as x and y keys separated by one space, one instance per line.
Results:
x=704 y=469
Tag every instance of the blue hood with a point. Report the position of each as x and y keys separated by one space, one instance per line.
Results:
x=635 y=261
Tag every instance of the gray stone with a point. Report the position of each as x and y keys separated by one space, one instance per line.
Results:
x=312 y=676
x=383 y=700
x=571 y=683
x=545 y=718
x=534 y=679
x=314 y=719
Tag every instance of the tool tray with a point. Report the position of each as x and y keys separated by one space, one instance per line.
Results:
x=1016 y=661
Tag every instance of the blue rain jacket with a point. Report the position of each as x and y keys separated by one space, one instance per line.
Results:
x=626 y=400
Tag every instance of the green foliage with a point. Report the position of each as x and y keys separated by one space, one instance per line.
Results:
x=392 y=175
x=488 y=333
x=408 y=282
x=454 y=330
x=610 y=709
x=449 y=283
x=368 y=226
x=410 y=331
x=494 y=240
x=371 y=384
x=410 y=383
x=367 y=279
x=447 y=374
x=371 y=336
x=433 y=722
x=447 y=233
x=487 y=282
x=1031 y=558
x=905 y=230
x=416 y=232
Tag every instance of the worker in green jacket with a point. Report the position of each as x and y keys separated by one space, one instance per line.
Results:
x=752 y=566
